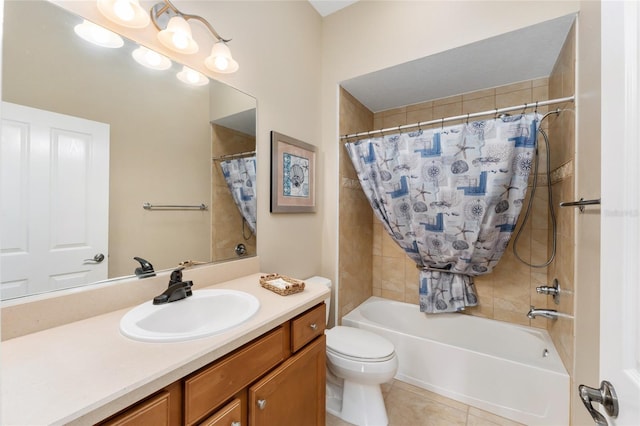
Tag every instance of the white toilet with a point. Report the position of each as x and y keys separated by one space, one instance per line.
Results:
x=358 y=362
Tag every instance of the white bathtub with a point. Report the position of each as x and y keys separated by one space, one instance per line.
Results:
x=509 y=370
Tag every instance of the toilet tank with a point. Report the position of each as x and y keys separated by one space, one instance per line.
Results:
x=315 y=280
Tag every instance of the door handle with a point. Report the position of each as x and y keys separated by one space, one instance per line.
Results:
x=605 y=395
x=96 y=259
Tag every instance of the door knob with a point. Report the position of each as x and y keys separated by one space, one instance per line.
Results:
x=262 y=403
x=96 y=259
x=605 y=395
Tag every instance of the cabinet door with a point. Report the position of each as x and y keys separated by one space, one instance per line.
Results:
x=293 y=393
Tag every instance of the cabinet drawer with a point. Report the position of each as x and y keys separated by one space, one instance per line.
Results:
x=210 y=387
x=229 y=415
x=307 y=326
x=152 y=412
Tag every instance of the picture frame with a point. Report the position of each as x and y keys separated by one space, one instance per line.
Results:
x=293 y=167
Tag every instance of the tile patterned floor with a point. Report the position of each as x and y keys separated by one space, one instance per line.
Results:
x=409 y=405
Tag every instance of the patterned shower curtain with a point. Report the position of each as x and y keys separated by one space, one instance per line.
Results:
x=450 y=198
x=240 y=174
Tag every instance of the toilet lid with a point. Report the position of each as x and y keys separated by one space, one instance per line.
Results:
x=358 y=343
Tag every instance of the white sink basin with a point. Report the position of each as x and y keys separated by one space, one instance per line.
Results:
x=206 y=313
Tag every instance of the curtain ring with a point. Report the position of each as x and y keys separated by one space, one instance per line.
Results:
x=400 y=128
x=495 y=116
x=536 y=110
x=442 y=124
x=467 y=118
x=524 y=109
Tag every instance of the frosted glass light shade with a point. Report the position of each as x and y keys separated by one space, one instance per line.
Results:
x=98 y=35
x=151 y=59
x=127 y=13
x=192 y=77
x=177 y=36
x=220 y=59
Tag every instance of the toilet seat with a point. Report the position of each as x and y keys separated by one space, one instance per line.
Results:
x=358 y=345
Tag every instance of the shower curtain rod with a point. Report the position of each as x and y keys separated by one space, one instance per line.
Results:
x=464 y=116
x=239 y=154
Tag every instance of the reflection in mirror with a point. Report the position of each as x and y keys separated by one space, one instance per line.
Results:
x=88 y=136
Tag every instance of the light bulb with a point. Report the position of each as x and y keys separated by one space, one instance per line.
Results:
x=98 y=35
x=177 y=36
x=221 y=63
x=180 y=40
x=151 y=59
x=192 y=77
x=127 y=13
x=220 y=59
x=124 y=10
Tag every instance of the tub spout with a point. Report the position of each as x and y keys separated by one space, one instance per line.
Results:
x=546 y=313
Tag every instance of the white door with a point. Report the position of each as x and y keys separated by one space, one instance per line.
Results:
x=620 y=220
x=54 y=177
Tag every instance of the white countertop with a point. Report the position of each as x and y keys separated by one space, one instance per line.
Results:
x=83 y=372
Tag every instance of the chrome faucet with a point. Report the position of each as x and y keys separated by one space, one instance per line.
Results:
x=177 y=289
x=551 y=290
x=546 y=313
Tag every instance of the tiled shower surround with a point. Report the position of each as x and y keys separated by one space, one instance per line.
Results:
x=370 y=263
x=226 y=220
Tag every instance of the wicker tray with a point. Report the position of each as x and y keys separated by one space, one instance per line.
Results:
x=281 y=284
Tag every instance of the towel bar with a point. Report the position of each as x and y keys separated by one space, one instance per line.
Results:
x=149 y=206
x=580 y=203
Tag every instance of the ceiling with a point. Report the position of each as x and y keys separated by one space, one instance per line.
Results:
x=327 y=7
x=520 y=55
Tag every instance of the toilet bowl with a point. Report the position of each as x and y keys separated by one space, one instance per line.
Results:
x=358 y=362
x=362 y=361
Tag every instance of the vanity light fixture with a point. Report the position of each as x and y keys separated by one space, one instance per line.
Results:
x=151 y=59
x=175 y=34
x=220 y=59
x=127 y=13
x=98 y=35
x=192 y=77
x=174 y=29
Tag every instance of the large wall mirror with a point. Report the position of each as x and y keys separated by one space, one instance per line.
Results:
x=90 y=137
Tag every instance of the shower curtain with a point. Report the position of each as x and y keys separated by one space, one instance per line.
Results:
x=240 y=175
x=450 y=198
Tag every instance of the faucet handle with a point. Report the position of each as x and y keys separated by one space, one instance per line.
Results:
x=176 y=276
x=146 y=268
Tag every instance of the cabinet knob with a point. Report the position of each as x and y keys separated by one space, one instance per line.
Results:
x=314 y=326
x=262 y=403
x=236 y=424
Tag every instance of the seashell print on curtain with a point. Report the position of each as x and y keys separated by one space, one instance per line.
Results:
x=450 y=198
x=240 y=175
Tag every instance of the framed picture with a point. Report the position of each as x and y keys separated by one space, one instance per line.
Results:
x=293 y=168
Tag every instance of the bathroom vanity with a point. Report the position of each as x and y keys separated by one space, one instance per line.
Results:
x=278 y=378
x=268 y=370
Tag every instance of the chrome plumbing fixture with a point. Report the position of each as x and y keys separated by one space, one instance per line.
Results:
x=553 y=290
x=546 y=313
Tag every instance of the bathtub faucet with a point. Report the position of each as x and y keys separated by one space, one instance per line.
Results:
x=546 y=313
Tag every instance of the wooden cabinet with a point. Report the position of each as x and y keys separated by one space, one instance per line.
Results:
x=215 y=384
x=294 y=393
x=162 y=408
x=276 y=379
x=229 y=415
